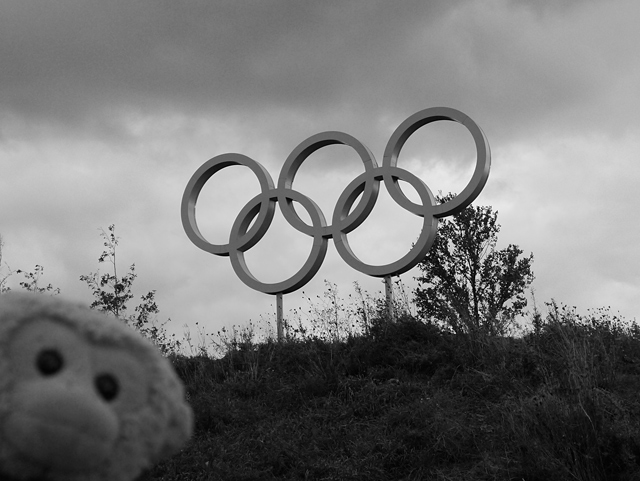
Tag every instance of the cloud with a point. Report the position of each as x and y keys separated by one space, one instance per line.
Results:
x=517 y=68
x=73 y=60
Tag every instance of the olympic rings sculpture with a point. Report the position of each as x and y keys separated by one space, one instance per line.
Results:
x=244 y=235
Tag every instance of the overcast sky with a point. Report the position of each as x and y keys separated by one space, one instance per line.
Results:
x=107 y=108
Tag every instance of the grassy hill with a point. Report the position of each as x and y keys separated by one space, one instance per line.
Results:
x=408 y=401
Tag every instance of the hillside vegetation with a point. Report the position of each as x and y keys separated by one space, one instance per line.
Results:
x=411 y=401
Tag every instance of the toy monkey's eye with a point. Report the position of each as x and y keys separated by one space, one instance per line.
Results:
x=49 y=361
x=107 y=386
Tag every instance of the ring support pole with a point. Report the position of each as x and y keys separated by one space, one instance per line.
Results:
x=388 y=290
x=279 y=316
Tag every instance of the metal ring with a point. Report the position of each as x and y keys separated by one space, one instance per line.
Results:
x=480 y=174
x=195 y=185
x=306 y=272
x=300 y=154
x=419 y=249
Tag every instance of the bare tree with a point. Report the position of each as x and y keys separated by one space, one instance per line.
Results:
x=3 y=277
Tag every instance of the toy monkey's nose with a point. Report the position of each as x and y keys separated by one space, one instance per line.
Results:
x=61 y=429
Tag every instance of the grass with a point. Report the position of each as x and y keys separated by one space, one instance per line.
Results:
x=410 y=401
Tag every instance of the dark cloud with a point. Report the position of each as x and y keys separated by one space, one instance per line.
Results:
x=285 y=70
x=89 y=65
x=78 y=60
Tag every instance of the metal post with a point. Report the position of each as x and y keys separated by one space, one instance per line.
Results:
x=388 y=290
x=279 y=315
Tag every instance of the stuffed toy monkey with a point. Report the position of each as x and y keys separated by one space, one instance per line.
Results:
x=82 y=395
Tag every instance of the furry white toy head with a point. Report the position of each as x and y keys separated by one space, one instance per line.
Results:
x=82 y=395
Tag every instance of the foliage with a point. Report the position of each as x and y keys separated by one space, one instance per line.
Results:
x=406 y=401
x=31 y=278
x=333 y=317
x=112 y=294
x=117 y=294
x=328 y=317
x=466 y=283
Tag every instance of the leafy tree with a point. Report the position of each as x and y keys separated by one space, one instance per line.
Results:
x=112 y=294
x=466 y=283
